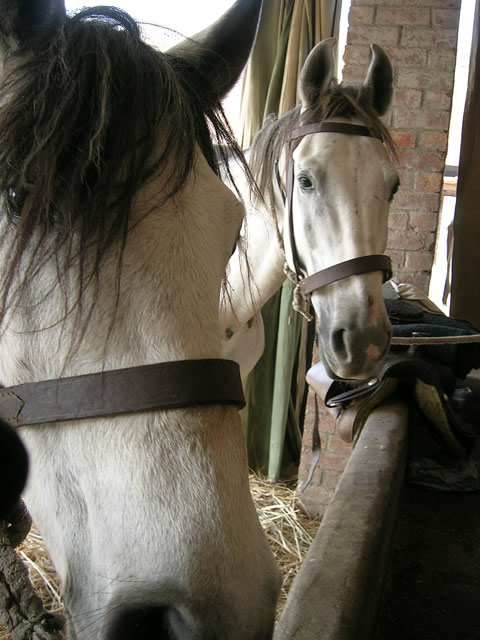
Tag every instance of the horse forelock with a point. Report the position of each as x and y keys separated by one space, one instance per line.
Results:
x=87 y=115
x=352 y=102
x=341 y=101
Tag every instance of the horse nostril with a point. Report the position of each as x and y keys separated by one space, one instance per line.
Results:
x=338 y=343
x=145 y=622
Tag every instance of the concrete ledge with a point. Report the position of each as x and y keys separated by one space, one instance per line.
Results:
x=337 y=591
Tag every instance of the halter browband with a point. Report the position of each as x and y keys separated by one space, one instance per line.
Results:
x=165 y=385
x=347 y=128
x=355 y=266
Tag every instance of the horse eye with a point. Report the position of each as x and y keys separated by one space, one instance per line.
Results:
x=304 y=182
x=14 y=203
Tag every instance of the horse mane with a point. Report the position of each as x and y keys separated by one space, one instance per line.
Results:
x=87 y=115
x=341 y=101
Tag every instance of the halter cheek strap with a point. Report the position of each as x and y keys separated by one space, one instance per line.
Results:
x=355 y=266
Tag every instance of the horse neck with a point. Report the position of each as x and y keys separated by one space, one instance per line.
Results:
x=254 y=277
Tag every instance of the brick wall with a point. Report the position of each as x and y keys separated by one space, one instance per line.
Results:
x=420 y=38
x=333 y=458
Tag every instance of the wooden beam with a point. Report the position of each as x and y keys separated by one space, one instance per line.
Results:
x=337 y=591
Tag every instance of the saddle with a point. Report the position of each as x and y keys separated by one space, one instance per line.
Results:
x=431 y=387
x=428 y=374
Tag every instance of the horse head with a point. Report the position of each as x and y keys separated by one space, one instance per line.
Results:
x=340 y=181
x=115 y=232
x=325 y=177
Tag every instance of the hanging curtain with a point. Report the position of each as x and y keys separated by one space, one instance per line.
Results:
x=288 y=31
x=275 y=390
x=465 y=300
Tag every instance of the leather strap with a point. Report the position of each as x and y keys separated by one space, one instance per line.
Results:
x=316 y=444
x=165 y=385
x=333 y=127
x=355 y=266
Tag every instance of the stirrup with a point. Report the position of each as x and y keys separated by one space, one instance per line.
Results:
x=350 y=409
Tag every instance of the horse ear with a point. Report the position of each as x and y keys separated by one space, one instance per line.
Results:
x=222 y=50
x=24 y=20
x=318 y=72
x=379 y=80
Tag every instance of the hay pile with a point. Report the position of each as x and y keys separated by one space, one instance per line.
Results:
x=42 y=575
x=288 y=531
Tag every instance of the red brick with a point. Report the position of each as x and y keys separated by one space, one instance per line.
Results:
x=424 y=221
x=419 y=260
x=304 y=471
x=326 y=422
x=438 y=99
x=405 y=240
x=422 y=160
x=402 y=57
x=435 y=140
x=332 y=461
x=403 y=16
x=416 y=200
x=398 y=260
x=407 y=179
x=362 y=15
x=404 y=139
x=429 y=182
x=430 y=38
x=337 y=445
x=398 y=220
x=330 y=479
x=357 y=55
x=442 y=60
x=420 y=119
x=447 y=4
x=445 y=18
x=419 y=79
x=353 y=73
x=438 y=120
x=406 y=97
x=368 y=33
x=313 y=502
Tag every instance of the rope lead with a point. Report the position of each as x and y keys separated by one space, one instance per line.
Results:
x=299 y=302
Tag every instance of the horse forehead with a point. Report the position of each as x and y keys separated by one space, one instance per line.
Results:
x=328 y=149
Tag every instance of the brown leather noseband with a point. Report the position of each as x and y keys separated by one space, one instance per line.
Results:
x=355 y=266
x=165 y=385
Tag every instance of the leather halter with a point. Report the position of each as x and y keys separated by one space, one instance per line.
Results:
x=165 y=385
x=355 y=266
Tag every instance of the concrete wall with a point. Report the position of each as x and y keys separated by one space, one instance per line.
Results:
x=420 y=37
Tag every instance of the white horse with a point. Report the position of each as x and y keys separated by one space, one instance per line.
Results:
x=338 y=157
x=115 y=232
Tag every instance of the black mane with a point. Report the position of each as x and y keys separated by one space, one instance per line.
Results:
x=87 y=115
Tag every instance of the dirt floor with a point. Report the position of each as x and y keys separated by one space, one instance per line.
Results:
x=433 y=588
